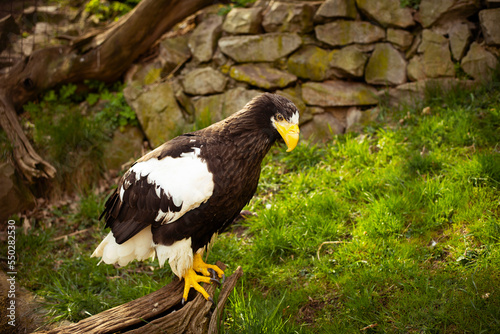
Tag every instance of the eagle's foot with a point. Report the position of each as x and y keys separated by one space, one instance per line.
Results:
x=192 y=280
x=211 y=273
x=207 y=269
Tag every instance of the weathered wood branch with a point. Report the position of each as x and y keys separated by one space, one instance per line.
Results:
x=25 y=156
x=160 y=312
x=104 y=56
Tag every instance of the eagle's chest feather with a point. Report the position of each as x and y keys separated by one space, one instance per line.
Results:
x=235 y=175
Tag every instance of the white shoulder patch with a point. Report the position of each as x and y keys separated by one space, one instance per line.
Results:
x=185 y=179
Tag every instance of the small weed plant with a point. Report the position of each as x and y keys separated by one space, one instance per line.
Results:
x=105 y=10
x=415 y=4
x=234 y=3
x=395 y=230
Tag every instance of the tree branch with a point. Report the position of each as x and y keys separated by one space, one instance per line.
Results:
x=159 y=312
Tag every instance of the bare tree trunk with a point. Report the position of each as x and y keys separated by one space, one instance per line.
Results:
x=103 y=56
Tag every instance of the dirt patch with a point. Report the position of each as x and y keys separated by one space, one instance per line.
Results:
x=18 y=307
x=309 y=312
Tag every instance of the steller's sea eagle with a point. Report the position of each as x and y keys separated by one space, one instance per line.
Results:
x=175 y=198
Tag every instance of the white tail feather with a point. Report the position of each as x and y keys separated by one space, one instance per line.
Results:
x=139 y=247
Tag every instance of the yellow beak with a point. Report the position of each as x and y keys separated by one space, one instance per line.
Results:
x=289 y=132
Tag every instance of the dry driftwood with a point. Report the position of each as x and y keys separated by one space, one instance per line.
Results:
x=160 y=312
x=104 y=56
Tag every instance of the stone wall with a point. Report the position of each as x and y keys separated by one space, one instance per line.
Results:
x=333 y=58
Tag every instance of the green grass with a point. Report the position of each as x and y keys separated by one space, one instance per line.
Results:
x=395 y=230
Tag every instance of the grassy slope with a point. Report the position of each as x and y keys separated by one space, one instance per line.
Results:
x=411 y=214
x=395 y=230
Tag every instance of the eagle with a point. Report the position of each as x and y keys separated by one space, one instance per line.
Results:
x=174 y=199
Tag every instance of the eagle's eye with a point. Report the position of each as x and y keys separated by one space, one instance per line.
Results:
x=279 y=118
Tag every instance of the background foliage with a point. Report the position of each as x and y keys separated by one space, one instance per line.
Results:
x=71 y=125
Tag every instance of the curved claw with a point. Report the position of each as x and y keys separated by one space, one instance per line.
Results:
x=214 y=277
x=213 y=273
x=215 y=280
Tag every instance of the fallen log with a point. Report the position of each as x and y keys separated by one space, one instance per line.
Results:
x=160 y=312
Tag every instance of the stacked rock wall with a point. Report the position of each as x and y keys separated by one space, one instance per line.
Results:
x=333 y=58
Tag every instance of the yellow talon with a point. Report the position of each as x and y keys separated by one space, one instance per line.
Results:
x=191 y=279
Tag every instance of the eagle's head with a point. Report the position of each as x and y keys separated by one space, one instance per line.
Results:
x=278 y=116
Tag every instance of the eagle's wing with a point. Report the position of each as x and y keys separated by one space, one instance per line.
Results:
x=159 y=188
